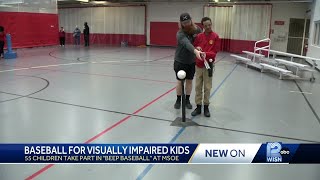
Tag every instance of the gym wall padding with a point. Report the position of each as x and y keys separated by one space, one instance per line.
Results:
x=164 y=33
x=239 y=26
x=108 y=25
x=110 y=39
x=30 y=29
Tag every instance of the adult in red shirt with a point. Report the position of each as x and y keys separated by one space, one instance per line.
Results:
x=2 y=39
x=208 y=42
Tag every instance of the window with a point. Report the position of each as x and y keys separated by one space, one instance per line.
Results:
x=316 y=37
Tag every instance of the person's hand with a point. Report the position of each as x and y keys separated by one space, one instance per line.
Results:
x=197 y=53
x=199 y=48
x=203 y=55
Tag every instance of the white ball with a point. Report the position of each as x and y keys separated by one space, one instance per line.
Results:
x=181 y=74
x=210 y=60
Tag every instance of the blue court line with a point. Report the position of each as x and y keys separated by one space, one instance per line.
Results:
x=150 y=166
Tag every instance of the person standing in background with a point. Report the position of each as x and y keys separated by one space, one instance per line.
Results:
x=2 y=40
x=76 y=35
x=86 y=33
x=62 y=36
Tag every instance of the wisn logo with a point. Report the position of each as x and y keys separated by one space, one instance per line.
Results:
x=275 y=152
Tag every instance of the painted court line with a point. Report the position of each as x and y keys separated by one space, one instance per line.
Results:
x=78 y=63
x=95 y=74
x=67 y=64
x=103 y=132
x=104 y=62
x=38 y=67
x=14 y=69
x=115 y=76
x=300 y=92
x=150 y=166
x=55 y=65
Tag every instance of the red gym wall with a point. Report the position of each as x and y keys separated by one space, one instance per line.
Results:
x=30 y=29
x=164 y=34
x=110 y=39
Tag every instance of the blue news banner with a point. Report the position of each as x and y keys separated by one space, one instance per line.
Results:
x=272 y=152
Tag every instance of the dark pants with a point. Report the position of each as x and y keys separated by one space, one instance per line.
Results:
x=77 y=40
x=1 y=48
x=62 y=41
x=190 y=69
x=86 y=40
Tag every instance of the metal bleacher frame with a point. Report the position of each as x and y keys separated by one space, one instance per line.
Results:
x=264 y=62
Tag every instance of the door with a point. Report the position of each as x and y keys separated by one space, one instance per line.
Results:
x=298 y=36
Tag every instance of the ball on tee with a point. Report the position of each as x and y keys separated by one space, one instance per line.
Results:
x=210 y=60
x=181 y=74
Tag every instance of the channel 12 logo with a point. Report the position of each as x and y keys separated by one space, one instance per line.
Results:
x=275 y=152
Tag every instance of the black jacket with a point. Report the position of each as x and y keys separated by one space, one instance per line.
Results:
x=86 y=30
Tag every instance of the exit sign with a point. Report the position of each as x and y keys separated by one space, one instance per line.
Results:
x=279 y=23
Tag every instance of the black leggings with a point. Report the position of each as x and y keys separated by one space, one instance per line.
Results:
x=62 y=41
x=1 y=47
x=86 y=40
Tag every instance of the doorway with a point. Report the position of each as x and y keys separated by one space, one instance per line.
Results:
x=298 y=36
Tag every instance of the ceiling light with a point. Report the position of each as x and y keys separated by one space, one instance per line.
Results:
x=99 y=2
x=12 y=1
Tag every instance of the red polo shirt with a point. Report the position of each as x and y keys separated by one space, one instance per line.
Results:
x=62 y=34
x=2 y=36
x=210 y=44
